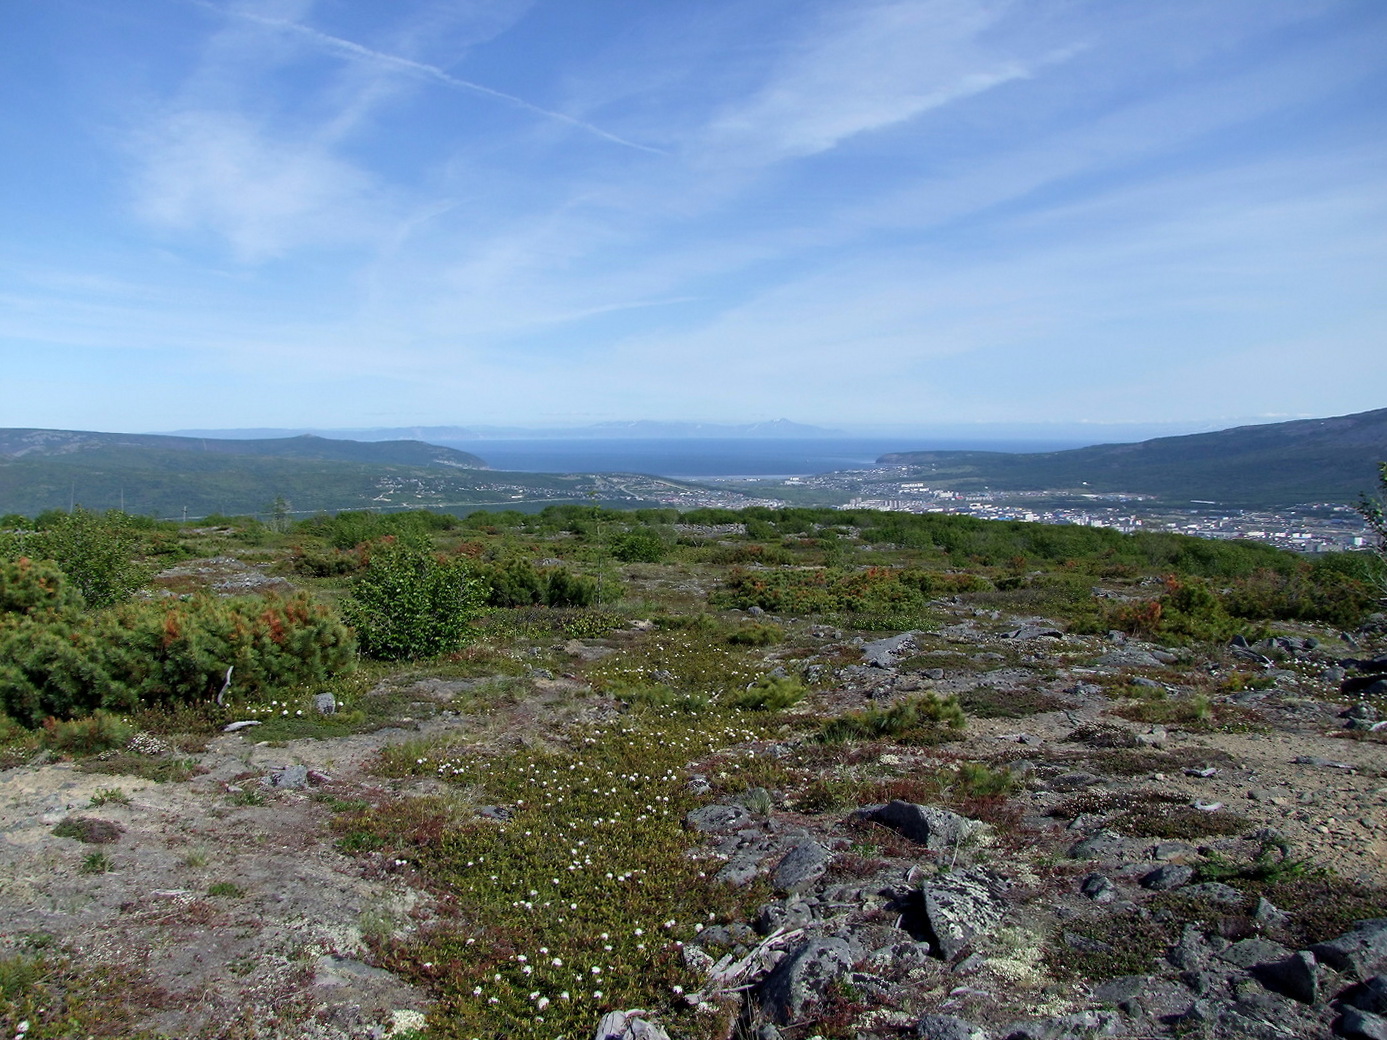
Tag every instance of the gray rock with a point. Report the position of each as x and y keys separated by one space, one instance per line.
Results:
x=948 y=1027
x=1192 y=951
x=802 y=976
x=882 y=653
x=802 y=866
x=1105 y=845
x=958 y=906
x=1164 y=878
x=1081 y=1024
x=1215 y=892
x=936 y=829
x=1298 y=977
x=1370 y=996
x=290 y=777
x=901 y=957
x=1128 y=658
x=628 y=1025
x=1250 y=953
x=1268 y=916
x=1099 y=888
x=1359 y=953
x=1358 y=1023
x=789 y=914
x=717 y=819
x=1027 y=632
x=739 y=870
x=325 y=703
x=332 y=970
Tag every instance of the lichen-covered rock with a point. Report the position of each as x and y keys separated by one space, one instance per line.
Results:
x=801 y=978
x=958 y=906
x=628 y=1025
x=936 y=829
x=801 y=867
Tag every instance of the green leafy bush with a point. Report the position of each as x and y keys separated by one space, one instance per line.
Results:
x=639 y=547
x=95 y=550
x=410 y=603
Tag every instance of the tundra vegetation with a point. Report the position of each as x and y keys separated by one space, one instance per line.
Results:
x=669 y=660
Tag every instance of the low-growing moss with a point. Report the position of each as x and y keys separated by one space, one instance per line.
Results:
x=573 y=895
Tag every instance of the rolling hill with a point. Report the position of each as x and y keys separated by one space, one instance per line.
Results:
x=143 y=473
x=1278 y=464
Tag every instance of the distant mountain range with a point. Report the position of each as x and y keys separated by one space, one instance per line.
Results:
x=1277 y=464
x=639 y=428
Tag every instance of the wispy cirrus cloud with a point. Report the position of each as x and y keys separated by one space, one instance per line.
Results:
x=263 y=192
x=353 y=51
x=860 y=69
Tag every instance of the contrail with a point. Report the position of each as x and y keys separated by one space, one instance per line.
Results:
x=356 y=50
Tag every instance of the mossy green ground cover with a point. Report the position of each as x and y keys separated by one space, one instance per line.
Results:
x=579 y=900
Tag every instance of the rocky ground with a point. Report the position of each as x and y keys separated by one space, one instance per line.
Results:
x=1074 y=899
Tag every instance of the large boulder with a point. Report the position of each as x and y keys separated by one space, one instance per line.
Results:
x=936 y=829
x=802 y=976
x=1359 y=953
x=959 y=906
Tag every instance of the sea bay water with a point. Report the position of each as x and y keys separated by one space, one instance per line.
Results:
x=692 y=457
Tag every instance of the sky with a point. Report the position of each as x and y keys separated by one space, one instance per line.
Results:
x=349 y=213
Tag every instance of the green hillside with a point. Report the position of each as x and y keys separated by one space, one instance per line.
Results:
x=1279 y=464
x=168 y=476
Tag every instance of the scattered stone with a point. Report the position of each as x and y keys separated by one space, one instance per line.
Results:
x=289 y=777
x=628 y=1025
x=802 y=866
x=1105 y=845
x=325 y=703
x=936 y=829
x=1316 y=760
x=948 y=1027
x=1164 y=878
x=958 y=906
x=802 y=977
x=1214 y=892
x=1099 y=888
x=1359 y=953
x=1078 y=1026
x=719 y=819
x=233 y=727
x=1357 y=1024
x=901 y=957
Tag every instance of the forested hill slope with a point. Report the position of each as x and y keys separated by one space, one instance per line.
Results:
x=165 y=476
x=32 y=444
x=1278 y=464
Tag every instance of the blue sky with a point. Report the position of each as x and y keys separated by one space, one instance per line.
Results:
x=241 y=213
